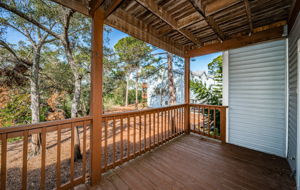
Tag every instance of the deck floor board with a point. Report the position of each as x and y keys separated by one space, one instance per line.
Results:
x=192 y=162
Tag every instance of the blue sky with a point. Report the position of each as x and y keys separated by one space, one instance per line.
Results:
x=197 y=63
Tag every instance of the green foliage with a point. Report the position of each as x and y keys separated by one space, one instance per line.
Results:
x=132 y=52
x=203 y=93
x=213 y=94
x=131 y=96
x=16 y=111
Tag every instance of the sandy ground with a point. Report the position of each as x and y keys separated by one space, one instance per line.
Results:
x=136 y=139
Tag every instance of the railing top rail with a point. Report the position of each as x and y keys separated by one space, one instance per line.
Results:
x=206 y=105
x=108 y=115
x=137 y=112
x=43 y=124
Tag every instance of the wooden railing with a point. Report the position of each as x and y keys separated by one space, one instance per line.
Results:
x=58 y=134
x=130 y=134
x=208 y=120
x=124 y=137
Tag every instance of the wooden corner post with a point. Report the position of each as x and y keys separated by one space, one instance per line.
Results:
x=96 y=94
x=223 y=124
x=187 y=94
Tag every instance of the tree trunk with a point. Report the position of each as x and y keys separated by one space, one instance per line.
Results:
x=76 y=99
x=36 y=139
x=126 y=96
x=136 y=89
x=172 y=90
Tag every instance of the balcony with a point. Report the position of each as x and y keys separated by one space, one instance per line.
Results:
x=150 y=149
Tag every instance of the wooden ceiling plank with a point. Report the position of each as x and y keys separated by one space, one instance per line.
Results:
x=79 y=6
x=189 y=20
x=217 y=6
x=125 y=22
x=237 y=42
x=209 y=19
x=166 y=17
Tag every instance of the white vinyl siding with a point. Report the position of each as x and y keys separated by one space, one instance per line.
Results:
x=257 y=97
x=294 y=35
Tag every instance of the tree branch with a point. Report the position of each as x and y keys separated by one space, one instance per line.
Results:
x=29 y=19
x=11 y=51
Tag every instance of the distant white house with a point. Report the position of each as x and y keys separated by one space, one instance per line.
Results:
x=158 y=90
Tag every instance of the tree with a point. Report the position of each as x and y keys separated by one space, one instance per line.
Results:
x=210 y=94
x=69 y=30
x=215 y=69
x=172 y=89
x=132 y=53
x=36 y=39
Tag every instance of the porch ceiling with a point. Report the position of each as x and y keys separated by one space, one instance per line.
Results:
x=183 y=25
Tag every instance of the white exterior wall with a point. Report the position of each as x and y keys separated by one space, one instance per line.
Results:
x=257 y=97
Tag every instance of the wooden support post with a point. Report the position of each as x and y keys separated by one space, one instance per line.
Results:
x=187 y=94
x=223 y=124
x=96 y=94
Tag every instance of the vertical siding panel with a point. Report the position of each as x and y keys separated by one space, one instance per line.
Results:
x=292 y=82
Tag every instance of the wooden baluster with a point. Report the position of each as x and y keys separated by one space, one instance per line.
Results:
x=43 y=159
x=114 y=141
x=72 y=151
x=84 y=151
x=105 y=143
x=203 y=118
x=140 y=133
x=199 y=118
x=215 y=124
x=170 y=125
x=134 y=135
x=194 y=117
x=177 y=121
x=58 y=152
x=181 y=120
x=154 y=126
x=25 y=151
x=145 y=132
x=3 y=160
x=162 y=126
x=128 y=137
x=121 y=127
x=166 y=124
x=150 y=141
x=208 y=121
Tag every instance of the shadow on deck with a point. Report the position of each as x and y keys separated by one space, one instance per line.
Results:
x=192 y=162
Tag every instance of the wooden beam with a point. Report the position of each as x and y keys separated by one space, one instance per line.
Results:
x=217 y=6
x=248 y=11
x=274 y=33
x=96 y=94
x=165 y=16
x=125 y=22
x=94 y=5
x=209 y=19
x=80 y=6
x=111 y=6
x=294 y=14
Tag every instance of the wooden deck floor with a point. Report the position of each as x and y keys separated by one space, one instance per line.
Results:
x=191 y=162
